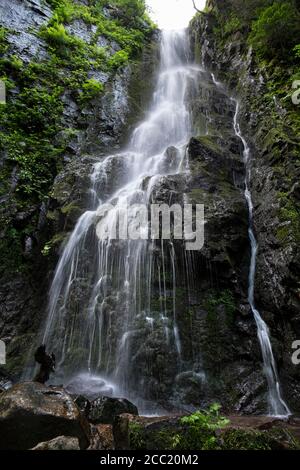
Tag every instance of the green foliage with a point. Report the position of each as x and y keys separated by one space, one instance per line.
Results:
x=55 y=3
x=289 y=216
x=224 y=298
x=246 y=440
x=129 y=11
x=3 y=41
x=277 y=30
x=232 y=25
x=56 y=35
x=31 y=122
x=199 y=429
x=250 y=10
x=207 y=419
x=136 y=436
x=119 y=59
x=297 y=51
x=91 y=89
x=65 y=11
x=206 y=430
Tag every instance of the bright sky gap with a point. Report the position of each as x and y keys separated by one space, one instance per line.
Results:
x=173 y=14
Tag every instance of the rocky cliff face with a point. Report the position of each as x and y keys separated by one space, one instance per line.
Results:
x=271 y=126
x=89 y=111
x=220 y=351
x=72 y=94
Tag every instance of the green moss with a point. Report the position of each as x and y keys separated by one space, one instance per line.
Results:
x=209 y=141
x=276 y=31
x=240 y=439
x=186 y=435
x=289 y=216
x=233 y=25
x=119 y=59
x=3 y=40
x=136 y=436
x=216 y=299
x=245 y=440
x=91 y=89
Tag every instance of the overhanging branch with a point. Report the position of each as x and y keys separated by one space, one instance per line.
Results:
x=194 y=4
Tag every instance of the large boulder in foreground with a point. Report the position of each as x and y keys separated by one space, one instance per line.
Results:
x=104 y=410
x=31 y=413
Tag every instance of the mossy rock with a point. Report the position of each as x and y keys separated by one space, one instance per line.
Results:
x=171 y=434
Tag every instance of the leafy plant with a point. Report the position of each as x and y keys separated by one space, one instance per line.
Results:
x=136 y=436
x=91 y=89
x=3 y=41
x=297 y=51
x=199 y=429
x=56 y=35
x=232 y=25
x=207 y=419
x=118 y=59
x=129 y=11
x=276 y=31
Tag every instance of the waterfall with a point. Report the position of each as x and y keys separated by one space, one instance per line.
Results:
x=112 y=318
x=278 y=407
x=101 y=310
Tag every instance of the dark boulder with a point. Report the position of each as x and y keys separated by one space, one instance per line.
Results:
x=6 y=380
x=83 y=404
x=31 y=413
x=105 y=409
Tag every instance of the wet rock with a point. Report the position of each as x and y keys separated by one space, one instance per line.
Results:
x=101 y=437
x=191 y=387
x=22 y=14
x=81 y=29
x=59 y=443
x=98 y=75
x=31 y=413
x=83 y=404
x=171 y=160
x=274 y=148
x=21 y=18
x=105 y=409
x=27 y=46
x=6 y=380
x=110 y=45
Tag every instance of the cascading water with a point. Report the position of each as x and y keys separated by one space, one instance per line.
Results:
x=101 y=299
x=113 y=316
x=278 y=407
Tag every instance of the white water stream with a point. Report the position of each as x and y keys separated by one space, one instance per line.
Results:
x=96 y=332
x=101 y=298
x=277 y=405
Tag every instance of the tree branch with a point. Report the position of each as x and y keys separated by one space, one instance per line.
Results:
x=197 y=9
